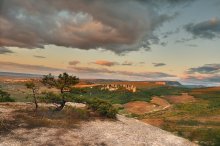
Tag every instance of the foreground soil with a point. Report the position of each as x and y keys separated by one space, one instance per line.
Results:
x=123 y=131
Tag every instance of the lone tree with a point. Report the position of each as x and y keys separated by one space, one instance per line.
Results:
x=31 y=85
x=63 y=83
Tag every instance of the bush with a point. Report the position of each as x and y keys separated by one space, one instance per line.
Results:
x=77 y=99
x=50 y=97
x=5 y=97
x=103 y=107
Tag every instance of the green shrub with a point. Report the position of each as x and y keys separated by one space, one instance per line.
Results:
x=50 y=97
x=103 y=107
x=78 y=99
x=5 y=97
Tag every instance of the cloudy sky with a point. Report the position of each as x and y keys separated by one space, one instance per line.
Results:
x=116 y=39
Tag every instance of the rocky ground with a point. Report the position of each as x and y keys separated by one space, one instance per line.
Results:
x=122 y=132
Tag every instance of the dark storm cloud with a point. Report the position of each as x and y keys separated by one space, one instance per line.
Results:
x=120 y=26
x=5 y=50
x=158 y=64
x=150 y=75
x=38 y=56
x=207 y=29
x=10 y=65
x=205 y=69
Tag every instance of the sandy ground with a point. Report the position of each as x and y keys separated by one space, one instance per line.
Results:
x=139 y=107
x=184 y=98
x=142 y=107
x=154 y=121
x=160 y=102
x=122 y=132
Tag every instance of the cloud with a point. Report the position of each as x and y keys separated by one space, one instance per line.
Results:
x=145 y=75
x=208 y=74
x=183 y=40
x=18 y=66
x=38 y=56
x=128 y=63
x=192 y=45
x=211 y=79
x=169 y=33
x=5 y=50
x=92 y=70
x=119 y=26
x=75 y=62
x=158 y=64
x=150 y=75
x=205 y=69
x=206 y=29
x=105 y=63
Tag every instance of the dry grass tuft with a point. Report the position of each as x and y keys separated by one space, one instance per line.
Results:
x=69 y=117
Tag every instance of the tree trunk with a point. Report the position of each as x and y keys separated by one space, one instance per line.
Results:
x=62 y=103
x=36 y=104
x=35 y=100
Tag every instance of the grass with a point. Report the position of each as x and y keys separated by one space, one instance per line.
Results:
x=69 y=117
x=202 y=135
x=19 y=92
x=181 y=119
x=188 y=122
x=7 y=125
x=195 y=121
x=116 y=97
x=124 y=96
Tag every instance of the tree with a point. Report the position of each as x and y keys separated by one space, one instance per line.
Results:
x=64 y=83
x=31 y=85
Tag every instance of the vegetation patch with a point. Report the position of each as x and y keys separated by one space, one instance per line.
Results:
x=69 y=117
x=5 y=97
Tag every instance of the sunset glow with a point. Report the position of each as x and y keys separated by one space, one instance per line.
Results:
x=127 y=40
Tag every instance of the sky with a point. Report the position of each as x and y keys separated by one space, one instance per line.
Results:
x=175 y=40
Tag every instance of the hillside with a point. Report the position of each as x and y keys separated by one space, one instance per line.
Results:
x=123 y=131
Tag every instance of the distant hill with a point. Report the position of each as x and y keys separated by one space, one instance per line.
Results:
x=194 y=86
x=102 y=81
x=19 y=75
x=173 y=83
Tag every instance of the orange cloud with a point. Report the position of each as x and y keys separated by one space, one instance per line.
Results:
x=105 y=63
